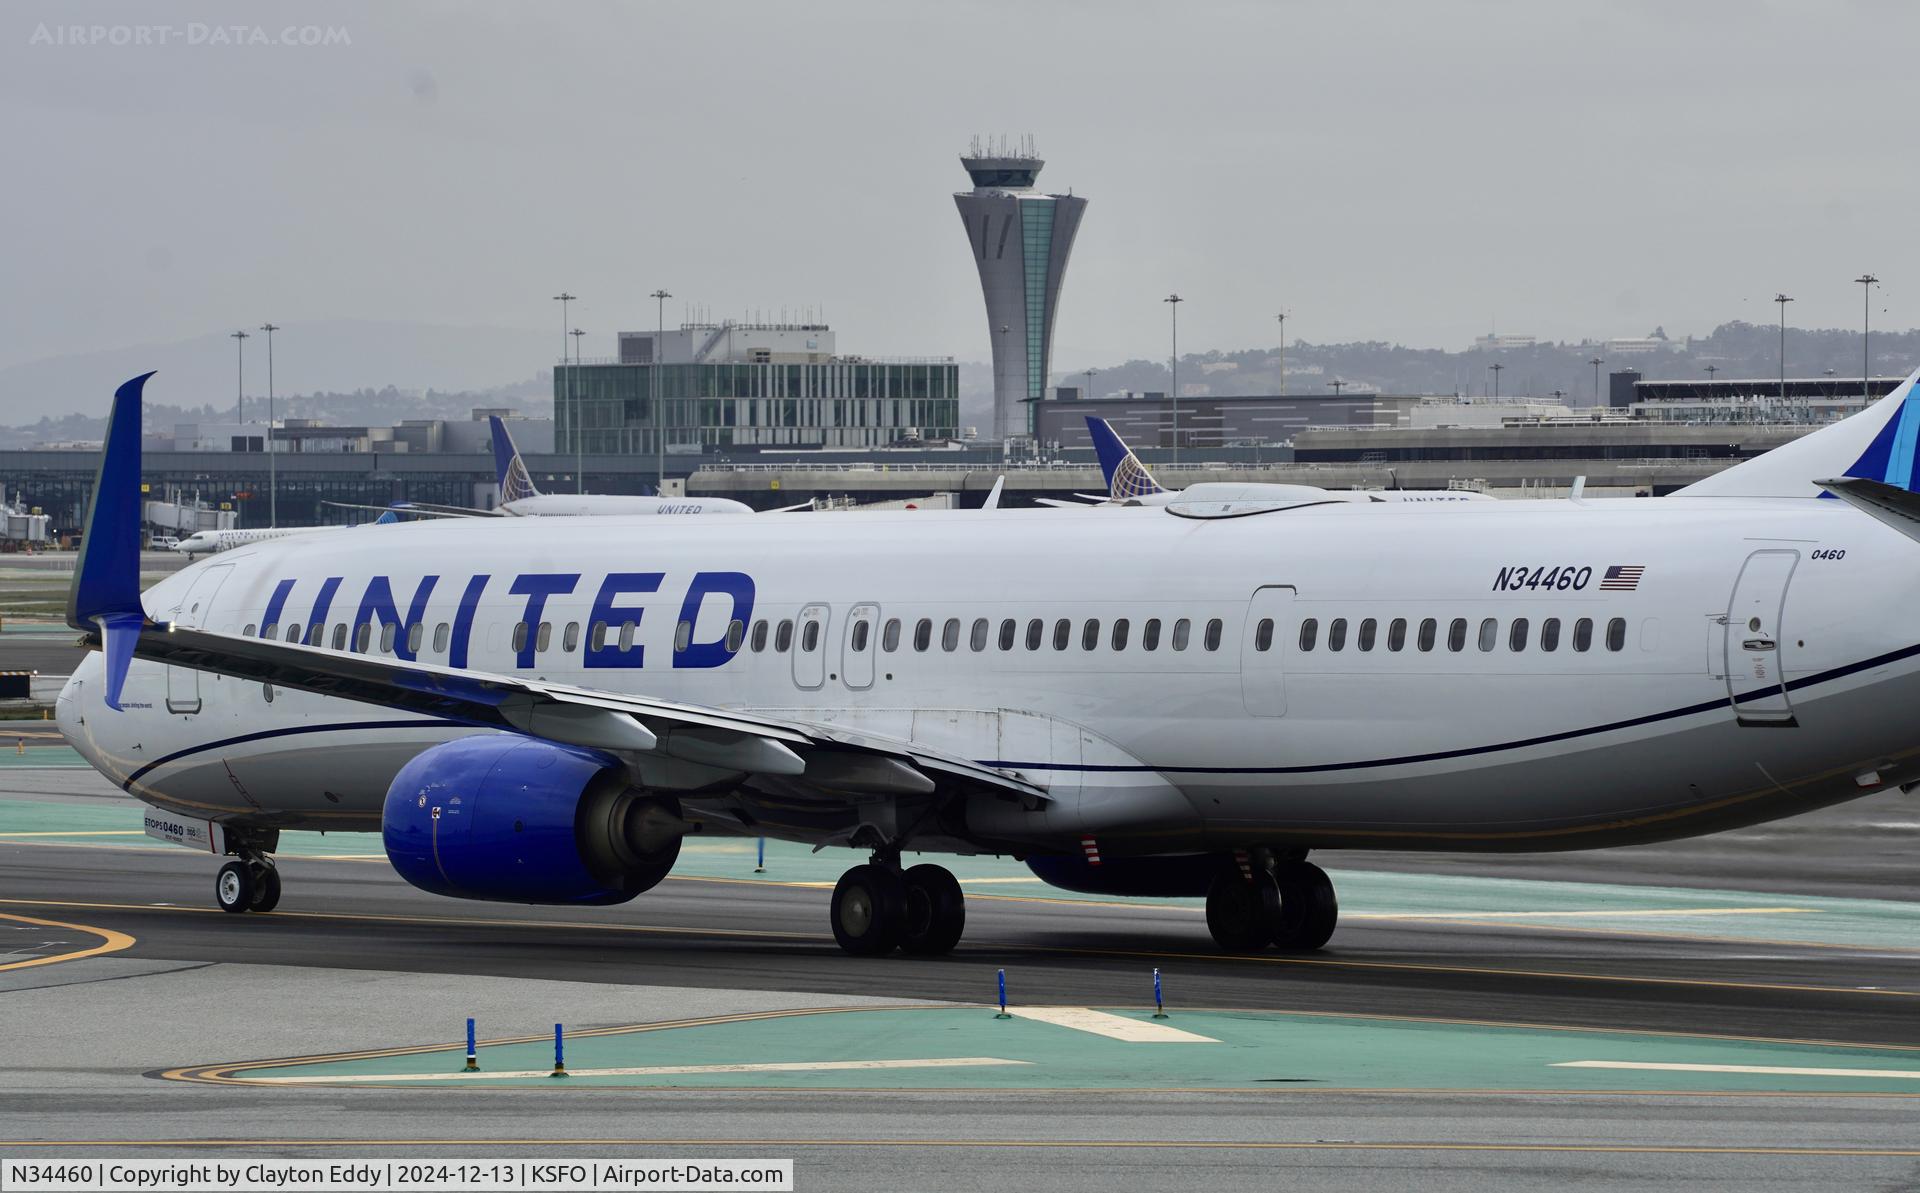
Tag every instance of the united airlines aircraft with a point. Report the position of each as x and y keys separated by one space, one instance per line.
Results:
x=1184 y=700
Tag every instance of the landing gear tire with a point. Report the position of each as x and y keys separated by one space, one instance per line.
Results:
x=266 y=888
x=1308 y=909
x=869 y=910
x=233 y=887
x=936 y=912
x=1241 y=911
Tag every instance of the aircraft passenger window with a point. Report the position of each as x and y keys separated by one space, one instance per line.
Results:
x=1090 y=634
x=293 y=631
x=1517 y=635
x=340 y=636
x=950 y=634
x=860 y=632
x=757 y=640
x=1397 y=634
x=1457 y=634
x=1119 y=633
x=1009 y=630
x=440 y=638
x=1337 y=634
x=1150 y=634
x=1583 y=634
x=736 y=635
x=1214 y=629
x=922 y=633
x=783 y=636
x=1036 y=631
x=271 y=630
x=626 y=635
x=388 y=634
x=978 y=638
x=1062 y=633
x=570 y=638
x=545 y=637
x=1429 y=630
x=362 y=637
x=519 y=637
x=1367 y=629
x=1263 y=635
x=248 y=632
x=1309 y=630
x=1617 y=633
x=597 y=636
x=1550 y=634
x=682 y=635
x=1489 y=633
x=810 y=637
x=890 y=636
x=415 y=633
x=1181 y=630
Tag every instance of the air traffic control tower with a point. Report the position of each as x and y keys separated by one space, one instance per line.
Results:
x=1020 y=241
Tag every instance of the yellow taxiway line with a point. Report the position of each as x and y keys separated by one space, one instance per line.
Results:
x=110 y=942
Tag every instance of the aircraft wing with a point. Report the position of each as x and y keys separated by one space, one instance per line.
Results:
x=418 y=508
x=834 y=758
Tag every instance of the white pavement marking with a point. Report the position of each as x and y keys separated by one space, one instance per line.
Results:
x=808 y=1066
x=1763 y=1070
x=1114 y=1027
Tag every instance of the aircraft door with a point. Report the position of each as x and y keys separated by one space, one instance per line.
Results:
x=1263 y=681
x=810 y=647
x=856 y=656
x=1756 y=685
x=183 y=683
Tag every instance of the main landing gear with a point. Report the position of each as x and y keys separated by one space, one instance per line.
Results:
x=249 y=884
x=878 y=908
x=1290 y=906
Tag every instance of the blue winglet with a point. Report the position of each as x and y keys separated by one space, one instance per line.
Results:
x=509 y=469
x=1893 y=457
x=386 y=519
x=1126 y=475
x=105 y=594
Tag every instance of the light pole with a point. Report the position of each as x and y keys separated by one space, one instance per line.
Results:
x=579 y=441
x=1282 y=317
x=240 y=394
x=565 y=395
x=1173 y=302
x=1783 y=300
x=1596 y=362
x=1335 y=385
x=1090 y=373
x=659 y=297
x=1867 y=283
x=1711 y=370
x=273 y=486
x=1495 y=368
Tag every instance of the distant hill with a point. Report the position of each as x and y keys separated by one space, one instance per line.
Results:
x=335 y=356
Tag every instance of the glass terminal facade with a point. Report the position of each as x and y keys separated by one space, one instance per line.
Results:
x=736 y=406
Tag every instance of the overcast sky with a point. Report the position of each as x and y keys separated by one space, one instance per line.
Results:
x=1408 y=172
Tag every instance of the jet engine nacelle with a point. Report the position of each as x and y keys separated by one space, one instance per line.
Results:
x=518 y=820
x=1183 y=875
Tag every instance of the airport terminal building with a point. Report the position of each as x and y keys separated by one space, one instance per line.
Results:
x=745 y=386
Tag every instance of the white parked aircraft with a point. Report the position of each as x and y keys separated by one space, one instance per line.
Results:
x=212 y=542
x=1166 y=701
x=1130 y=484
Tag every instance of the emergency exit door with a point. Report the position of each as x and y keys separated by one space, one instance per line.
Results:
x=1756 y=681
x=183 y=683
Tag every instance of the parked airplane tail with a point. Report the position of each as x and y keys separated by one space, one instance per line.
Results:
x=1126 y=476
x=509 y=469
x=1878 y=446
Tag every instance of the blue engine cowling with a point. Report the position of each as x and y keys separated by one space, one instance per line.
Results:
x=515 y=819
x=1186 y=874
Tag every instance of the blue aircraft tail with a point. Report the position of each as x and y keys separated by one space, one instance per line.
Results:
x=509 y=469
x=104 y=597
x=1126 y=475
x=386 y=519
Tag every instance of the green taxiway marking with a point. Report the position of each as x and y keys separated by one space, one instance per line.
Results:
x=901 y=1048
x=1364 y=894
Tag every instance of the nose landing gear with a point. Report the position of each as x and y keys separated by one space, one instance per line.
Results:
x=249 y=883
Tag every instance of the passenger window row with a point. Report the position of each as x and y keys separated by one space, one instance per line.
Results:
x=1037 y=634
x=1426 y=636
x=542 y=634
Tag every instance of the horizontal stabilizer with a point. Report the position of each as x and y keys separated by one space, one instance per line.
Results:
x=1897 y=507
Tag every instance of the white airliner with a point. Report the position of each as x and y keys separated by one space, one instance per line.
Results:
x=212 y=542
x=1174 y=701
x=1130 y=484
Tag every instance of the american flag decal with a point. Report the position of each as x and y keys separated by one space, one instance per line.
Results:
x=1622 y=577
x=1092 y=850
